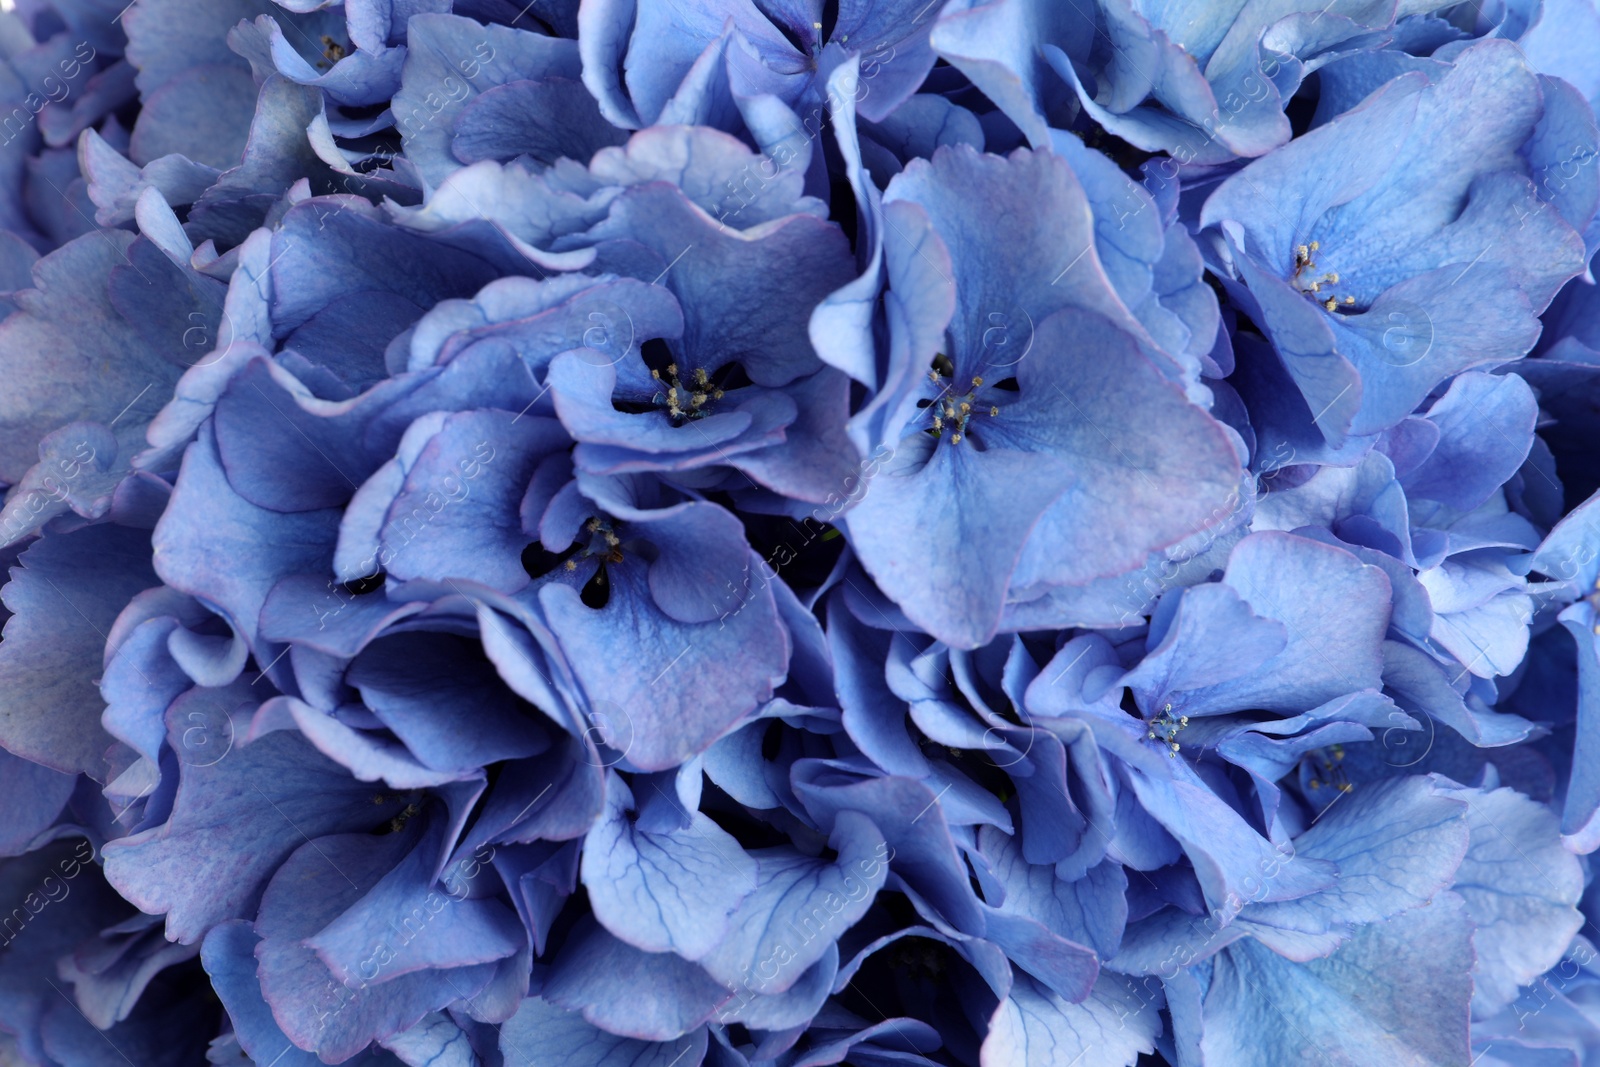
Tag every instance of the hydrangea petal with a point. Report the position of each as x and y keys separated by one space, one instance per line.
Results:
x=1397 y=993
x=232 y=824
x=664 y=892
x=64 y=597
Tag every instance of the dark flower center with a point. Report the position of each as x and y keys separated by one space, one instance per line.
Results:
x=1164 y=728
x=370 y=583
x=952 y=411
x=689 y=400
x=603 y=546
x=1327 y=768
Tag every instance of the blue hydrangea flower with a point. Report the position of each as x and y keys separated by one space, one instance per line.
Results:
x=656 y=63
x=1207 y=83
x=996 y=451
x=776 y=536
x=64 y=72
x=1362 y=246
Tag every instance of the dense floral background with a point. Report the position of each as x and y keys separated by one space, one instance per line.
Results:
x=650 y=533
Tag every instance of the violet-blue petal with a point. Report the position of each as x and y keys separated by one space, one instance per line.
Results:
x=905 y=812
x=448 y=705
x=230 y=961
x=290 y=467
x=370 y=755
x=1227 y=852
x=111 y=972
x=816 y=458
x=794 y=1007
x=1034 y=1025
x=1521 y=888
x=337 y=1016
x=32 y=796
x=800 y=906
x=1564 y=137
x=543 y=1035
x=725 y=279
x=873 y=716
x=163 y=1034
x=98 y=362
x=203 y=113
x=321 y=252
x=733 y=659
x=1091 y=910
x=165 y=37
x=445 y=523
x=232 y=824
x=1064 y=967
x=1335 y=631
x=645 y=995
x=1485 y=430
x=57 y=919
x=952 y=497
x=997 y=46
x=450 y=62
x=437 y=1041
x=664 y=892
x=63 y=598
x=1397 y=993
x=716 y=171
x=441 y=929
x=544 y=120
x=79 y=470
x=1214 y=637
x=1397 y=845
x=218 y=547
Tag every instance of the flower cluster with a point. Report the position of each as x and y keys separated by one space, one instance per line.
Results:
x=774 y=535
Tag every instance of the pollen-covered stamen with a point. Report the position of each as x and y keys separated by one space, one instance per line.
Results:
x=1327 y=767
x=602 y=546
x=1306 y=280
x=397 y=822
x=603 y=542
x=951 y=411
x=1164 y=728
x=686 y=400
